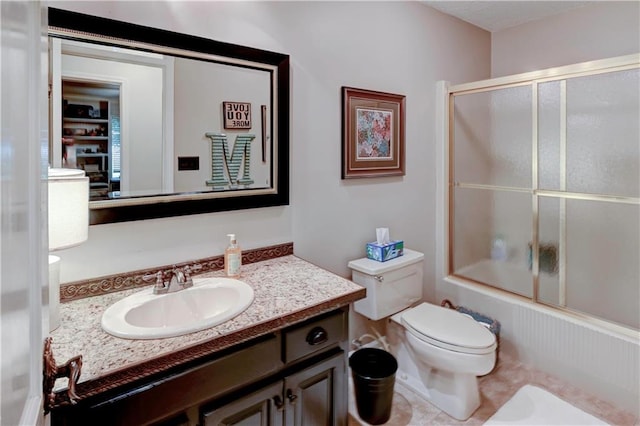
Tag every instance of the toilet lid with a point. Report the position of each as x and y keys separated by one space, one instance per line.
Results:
x=448 y=329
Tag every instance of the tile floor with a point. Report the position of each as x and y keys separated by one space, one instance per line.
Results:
x=496 y=389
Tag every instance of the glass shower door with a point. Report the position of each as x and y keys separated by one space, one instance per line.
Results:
x=544 y=190
x=491 y=178
x=589 y=187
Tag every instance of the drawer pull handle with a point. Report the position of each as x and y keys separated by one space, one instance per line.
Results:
x=278 y=402
x=317 y=335
x=292 y=398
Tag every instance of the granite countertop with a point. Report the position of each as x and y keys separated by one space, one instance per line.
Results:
x=287 y=290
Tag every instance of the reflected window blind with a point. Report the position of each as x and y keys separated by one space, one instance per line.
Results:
x=115 y=143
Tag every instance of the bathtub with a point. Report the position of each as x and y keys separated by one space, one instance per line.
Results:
x=600 y=357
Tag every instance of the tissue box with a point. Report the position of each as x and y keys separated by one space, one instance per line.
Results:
x=384 y=252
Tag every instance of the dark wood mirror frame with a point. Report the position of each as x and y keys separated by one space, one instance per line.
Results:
x=83 y=23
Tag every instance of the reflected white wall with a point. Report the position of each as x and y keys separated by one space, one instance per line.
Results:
x=196 y=115
x=140 y=113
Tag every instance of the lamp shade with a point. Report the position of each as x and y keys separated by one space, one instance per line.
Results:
x=68 y=208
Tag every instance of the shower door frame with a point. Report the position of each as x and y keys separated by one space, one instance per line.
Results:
x=532 y=79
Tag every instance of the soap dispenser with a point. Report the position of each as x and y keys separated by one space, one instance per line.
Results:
x=232 y=258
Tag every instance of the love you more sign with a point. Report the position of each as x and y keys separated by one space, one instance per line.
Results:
x=237 y=115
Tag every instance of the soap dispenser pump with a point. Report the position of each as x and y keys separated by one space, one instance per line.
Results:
x=232 y=258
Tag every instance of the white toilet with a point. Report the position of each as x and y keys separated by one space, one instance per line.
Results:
x=440 y=351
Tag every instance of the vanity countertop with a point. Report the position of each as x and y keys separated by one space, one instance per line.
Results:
x=287 y=290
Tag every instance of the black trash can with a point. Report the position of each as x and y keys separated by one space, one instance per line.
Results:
x=374 y=375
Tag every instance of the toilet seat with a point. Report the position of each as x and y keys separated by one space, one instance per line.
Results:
x=448 y=329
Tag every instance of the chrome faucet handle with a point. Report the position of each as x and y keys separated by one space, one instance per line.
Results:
x=159 y=287
x=188 y=281
x=179 y=274
x=171 y=280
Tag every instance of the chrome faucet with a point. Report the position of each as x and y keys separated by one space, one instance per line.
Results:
x=172 y=280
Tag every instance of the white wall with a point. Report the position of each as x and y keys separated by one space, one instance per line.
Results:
x=413 y=47
x=599 y=30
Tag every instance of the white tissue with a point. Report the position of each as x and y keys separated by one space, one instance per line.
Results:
x=382 y=236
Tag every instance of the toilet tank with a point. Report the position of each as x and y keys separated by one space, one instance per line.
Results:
x=391 y=286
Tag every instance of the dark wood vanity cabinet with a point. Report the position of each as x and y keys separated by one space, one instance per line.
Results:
x=313 y=395
x=317 y=395
x=293 y=376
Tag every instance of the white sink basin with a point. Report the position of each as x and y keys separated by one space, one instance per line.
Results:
x=143 y=315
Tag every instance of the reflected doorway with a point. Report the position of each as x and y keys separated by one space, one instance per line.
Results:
x=91 y=133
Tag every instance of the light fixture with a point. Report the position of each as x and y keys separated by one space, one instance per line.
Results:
x=68 y=225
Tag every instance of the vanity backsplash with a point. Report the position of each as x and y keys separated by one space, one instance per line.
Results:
x=145 y=277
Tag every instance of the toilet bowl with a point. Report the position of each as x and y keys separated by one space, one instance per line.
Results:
x=440 y=351
x=440 y=354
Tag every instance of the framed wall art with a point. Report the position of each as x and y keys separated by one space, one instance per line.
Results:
x=373 y=133
x=237 y=115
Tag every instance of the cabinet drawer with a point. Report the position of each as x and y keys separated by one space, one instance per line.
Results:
x=313 y=336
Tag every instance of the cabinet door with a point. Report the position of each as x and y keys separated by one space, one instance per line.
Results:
x=261 y=408
x=317 y=395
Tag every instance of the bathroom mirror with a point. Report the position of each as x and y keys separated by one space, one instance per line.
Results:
x=166 y=124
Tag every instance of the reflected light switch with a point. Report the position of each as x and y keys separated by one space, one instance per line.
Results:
x=188 y=163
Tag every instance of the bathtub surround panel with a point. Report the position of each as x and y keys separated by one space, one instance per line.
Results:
x=586 y=354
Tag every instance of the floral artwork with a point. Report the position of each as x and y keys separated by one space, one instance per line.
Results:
x=374 y=130
x=373 y=133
